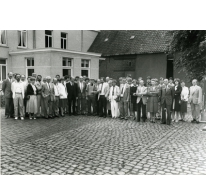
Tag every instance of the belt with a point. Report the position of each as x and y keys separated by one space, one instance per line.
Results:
x=18 y=93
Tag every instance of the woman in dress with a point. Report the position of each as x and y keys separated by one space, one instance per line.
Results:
x=31 y=107
x=133 y=90
x=152 y=102
x=62 y=97
x=108 y=102
x=177 y=100
x=184 y=99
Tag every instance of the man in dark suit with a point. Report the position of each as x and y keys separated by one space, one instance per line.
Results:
x=6 y=87
x=72 y=95
x=81 y=92
x=166 y=95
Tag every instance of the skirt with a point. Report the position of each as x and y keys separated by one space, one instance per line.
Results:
x=31 y=106
x=62 y=103
x=183 y=107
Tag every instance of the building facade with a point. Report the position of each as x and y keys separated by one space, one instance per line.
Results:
x=140 y=53
x=48 y=52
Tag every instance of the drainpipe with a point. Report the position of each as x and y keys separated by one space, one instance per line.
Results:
x=34 y=39
x=81 y=40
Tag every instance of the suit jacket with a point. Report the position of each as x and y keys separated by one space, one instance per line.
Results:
x=83 y=92
x=6 y=87
x=71 y=90
x=106 y=89
x=39 y=87
x=195 y=95
x=142 y=95
x=48 y=91
x=166 y=94
x=126 y=93
x=116 y=92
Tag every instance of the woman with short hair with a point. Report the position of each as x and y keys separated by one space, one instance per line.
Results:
x=31 y=107
x=184 y=99
x=62 y=96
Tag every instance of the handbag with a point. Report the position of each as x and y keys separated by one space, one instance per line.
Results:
x=117 y=99
x=27 y=97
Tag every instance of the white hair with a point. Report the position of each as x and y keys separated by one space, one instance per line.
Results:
x=48 y=77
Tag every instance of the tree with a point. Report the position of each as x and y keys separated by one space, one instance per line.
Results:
x=189 y=50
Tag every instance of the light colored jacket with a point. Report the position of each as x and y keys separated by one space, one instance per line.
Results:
x=126 y=93
x=62 y=91
x=106 y=89
x=185 y=94
x=195 y=95
x=14 y=89
x=116 y=92
x=141 y=95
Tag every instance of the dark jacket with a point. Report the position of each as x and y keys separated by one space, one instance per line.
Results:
x=167 y=95
x=133 y=90
x=29 y=90
x=71 y=90
x=177 y=93
x=83 y=93
x=6 y=87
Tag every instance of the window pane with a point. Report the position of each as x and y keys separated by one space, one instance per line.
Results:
x=19 y=38
x=84 y=73
x=50 y=41
x=46 y=41
x=63 y=35
x=66 y=72
x=65 y=44
x=3 y=37
x=62 y=44
x=32 y=62
x=30 y=71
x=28 y=62
x=2 y=61
x=48 y=32
x=3 y=72
x=64 y=63
x=24 y=38
x=69 y=63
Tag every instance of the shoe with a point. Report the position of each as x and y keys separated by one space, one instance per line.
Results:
x=34 y=118
x=51 y=117
x=22 y=118
x=30 y=118
x=125 y=118
x=46 y=117
x=162 y=123
x=197 y=122
x=105 y=116
x=7 y=117
x=134 y=118
x=16 y=118
x=121 y=118
x=193 y=121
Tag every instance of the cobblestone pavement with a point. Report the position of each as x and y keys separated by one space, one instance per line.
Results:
x=93 y=145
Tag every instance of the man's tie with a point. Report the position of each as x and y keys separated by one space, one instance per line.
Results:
x=113 y=91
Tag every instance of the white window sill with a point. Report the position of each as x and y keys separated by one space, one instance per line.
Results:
x=4 y=45
x=21 y=47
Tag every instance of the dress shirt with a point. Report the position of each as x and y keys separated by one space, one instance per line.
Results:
x=48 y=85
x=56 y=89
x=18 y=87
x=185 y=93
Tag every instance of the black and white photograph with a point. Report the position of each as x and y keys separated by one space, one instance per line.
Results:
x=111 y=101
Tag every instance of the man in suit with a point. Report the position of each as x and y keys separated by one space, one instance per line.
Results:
x=81 y=92
x=166 y=96
x=141 y=101
x=6 y=87
x=48 y=97
x=124 y=99
x=72 y=96
x=103 y=90
x=195 y=101
x=40 y=109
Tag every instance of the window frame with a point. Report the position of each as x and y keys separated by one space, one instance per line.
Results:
x=5 y=38
x=48 y=38
x=1 y=67
x=29 y=67
x=68 y=67
x=22 y=38
x=86 y=68
x=63 y=40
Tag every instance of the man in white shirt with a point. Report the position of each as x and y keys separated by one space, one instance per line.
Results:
x=56 y=99
x=18 y=96
x=103 y=90
x=195 y=101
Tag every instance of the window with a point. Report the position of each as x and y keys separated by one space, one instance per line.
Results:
x=3 y=37
x=130 y=63
x=85 y=67
x=67 y=62
x=66 y=72
x=22 y=39
x=2 y=69
x=63 y=40
x=48 y=38
x=85 y=63
x=85 y=73
x=30 y=66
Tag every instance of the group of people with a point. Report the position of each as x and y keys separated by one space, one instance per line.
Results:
x=164 y=99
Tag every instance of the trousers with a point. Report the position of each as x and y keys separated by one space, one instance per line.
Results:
x=9 y=107
x=114 y=107
x=195 y=108
x=18 y=105
x=123 y=108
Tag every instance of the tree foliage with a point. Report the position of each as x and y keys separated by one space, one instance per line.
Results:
x=189 y=50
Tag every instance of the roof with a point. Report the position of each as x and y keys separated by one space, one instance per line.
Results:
x=119 y=43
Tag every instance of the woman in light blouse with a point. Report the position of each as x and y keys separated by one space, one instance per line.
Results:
x=184 y=99
x=32 y=99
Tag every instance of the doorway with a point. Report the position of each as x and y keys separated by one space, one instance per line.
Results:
x=170 y=68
